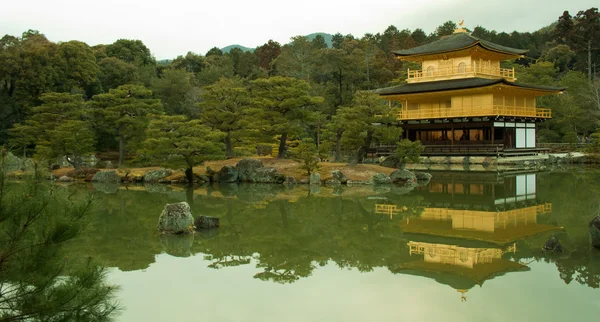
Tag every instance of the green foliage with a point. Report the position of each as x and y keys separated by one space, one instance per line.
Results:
x=307 y=154
x=176 y=139
x=39 y=281
x=122 y=113
x=280 y=106
x=224 y=107
x=365 y=122
x=408 y=151
x=173 y=88
x=58 y=128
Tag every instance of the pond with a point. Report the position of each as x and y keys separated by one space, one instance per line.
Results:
x=465 y=247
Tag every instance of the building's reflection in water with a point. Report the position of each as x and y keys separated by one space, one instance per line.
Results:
x=467 y=227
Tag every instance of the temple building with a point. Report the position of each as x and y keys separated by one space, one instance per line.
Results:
x=462 y=102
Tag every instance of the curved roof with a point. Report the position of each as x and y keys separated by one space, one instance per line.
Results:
x=456 y=84
x=455 y=42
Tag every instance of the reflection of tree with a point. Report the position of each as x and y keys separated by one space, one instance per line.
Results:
x=288 y=239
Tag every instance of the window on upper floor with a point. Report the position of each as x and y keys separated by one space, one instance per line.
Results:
x=462 y=68
x=430 y=71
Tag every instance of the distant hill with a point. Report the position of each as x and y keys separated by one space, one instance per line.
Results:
x=310 y=37
x=227 y=49
x=326 y=36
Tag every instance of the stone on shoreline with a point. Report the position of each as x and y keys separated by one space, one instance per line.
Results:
x=315 y=178
x=339 y=176
x=247 y=168
x=157 y=175
x=109 y=176
x=267 y=175
x=423 y=176
x=402 y=176
x=381 y=178
x=176 y=218
x=227 y=174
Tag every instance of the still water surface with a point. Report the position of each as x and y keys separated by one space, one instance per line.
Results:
x=465 y=247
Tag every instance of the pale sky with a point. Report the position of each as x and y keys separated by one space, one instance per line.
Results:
x=174 y=27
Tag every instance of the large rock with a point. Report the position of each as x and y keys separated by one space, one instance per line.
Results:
x=267 y=175
x=381 y=178
x=391 y=161
x=247 y=168
x=206 y=222
x=227 y=174
x=65 y=179
x=315 y=178
x=422 y=176
x=403 y=176
x=176 y=218
x=157 y=175
x=595 y=232
x=553 y=245
x=339 y=176
x=109 y=176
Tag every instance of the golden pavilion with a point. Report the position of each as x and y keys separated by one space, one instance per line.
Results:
x=462 y=102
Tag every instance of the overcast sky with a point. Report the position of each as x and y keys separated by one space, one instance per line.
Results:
x=174 y=27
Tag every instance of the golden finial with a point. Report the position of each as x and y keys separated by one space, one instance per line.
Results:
x=461 y=25
x=463 y=297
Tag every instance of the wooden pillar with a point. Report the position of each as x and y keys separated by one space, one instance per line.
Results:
x=492 y=132
x=452 y=127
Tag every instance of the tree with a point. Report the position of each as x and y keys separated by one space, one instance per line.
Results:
x=39 y=281
x=215 y=51
x=224 y=107
x=115 y=72
x=123 y=112
x=266 y=54
x=368 y=120
x=280 y=104
x=172 y=89
x=76 y=65
x=307 y=154
x=407 y=150
x=191 y=63
x=173 y=139
x=58 y=128
x=562 y=56
x=297 y=59
x=131 y=51
x=445 y=29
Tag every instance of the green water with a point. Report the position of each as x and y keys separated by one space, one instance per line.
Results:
x=466 y=247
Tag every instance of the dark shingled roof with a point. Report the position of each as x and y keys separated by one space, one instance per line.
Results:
x=455 y=42
x=455 y=84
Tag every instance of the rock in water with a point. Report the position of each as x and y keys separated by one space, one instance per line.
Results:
x=403 y=176
x=227 y=174
x=109 y=176
x=553 y=245
x=595 y=232
x=246 y=169
x=156 y=175
x=422 y=176
x=206 y=222
x=176 y=218
x=381 y=178
x=339 y=176
x=315 y=178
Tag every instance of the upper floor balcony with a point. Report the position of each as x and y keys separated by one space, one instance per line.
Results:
x=459 y=71
x=458 y=112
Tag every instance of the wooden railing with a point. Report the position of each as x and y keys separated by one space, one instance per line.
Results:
x=496 y=110
x=462 y=71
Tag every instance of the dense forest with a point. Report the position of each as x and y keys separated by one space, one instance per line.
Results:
x=69 y=99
